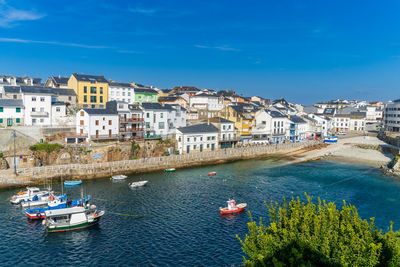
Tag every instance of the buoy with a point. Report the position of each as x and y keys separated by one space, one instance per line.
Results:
x=206 y=197
x=44 y=222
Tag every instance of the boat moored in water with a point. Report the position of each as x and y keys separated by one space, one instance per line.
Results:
x=73 y=183
x=212 y=173
x=119 y=177
x=170 y=170
x=28 y=194
x=232 y=207
x=137 y=184
x=69 y=219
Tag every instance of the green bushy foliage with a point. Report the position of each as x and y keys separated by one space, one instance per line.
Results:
x=306 y=234
x=46 y=147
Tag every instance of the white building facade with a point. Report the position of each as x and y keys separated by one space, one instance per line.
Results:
x=121 y=92
x=97 y=124
x=11 y=113
x=197 y=138
x=392 y=116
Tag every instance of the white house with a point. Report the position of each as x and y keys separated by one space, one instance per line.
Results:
x=297 y=129
x=227 y=132
x=176 y=117
x=37 y=102
x=130 y=119
x=155 y=120
x=392 y=116
x=341 y=123
x=97 y=124
x=197 y=138
x=270 y=127
x=323 y=124
x=357 y=121
x=207 y=105
x=11 y=112
x=121 y=92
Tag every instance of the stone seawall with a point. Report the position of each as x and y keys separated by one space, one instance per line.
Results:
x=107 y=169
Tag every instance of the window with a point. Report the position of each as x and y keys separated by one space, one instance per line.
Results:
x=33 y=109
x=14 y=96
x=41 y=120
x=223 y=127
x=147 y=115
x=123 y=93
x=194 y=147
x=93 y=99
x=1 y=120
x=33 y=121
x=97 y=122
x=101 y=99
x=42 y=99
x=33 y=99
x=208 y=145
x=69 y=98
x=93 y=90
x=188 y=139
x=82 y=113
x=1 y=109
x=85 y=90
x=194 y=139
x=17 y=120
x=213 y=138
x=18 y=110
x=109 y=122
x=148 y=124
x=58 y=109
x=101 y=90
x=208 y=138
x=129 y=93
x=93 y=106
x=41 y=109
x=85 y=98
x=81 y=122
x=179 y=139
x=161 y=125
x=201 y=138
x=161 y=115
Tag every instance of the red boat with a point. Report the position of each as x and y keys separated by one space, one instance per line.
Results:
x=212 y=173
x=232 y=207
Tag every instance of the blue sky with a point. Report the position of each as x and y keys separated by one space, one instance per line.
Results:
x=306 y=51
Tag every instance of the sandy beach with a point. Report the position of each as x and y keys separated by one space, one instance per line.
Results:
x=363 y=150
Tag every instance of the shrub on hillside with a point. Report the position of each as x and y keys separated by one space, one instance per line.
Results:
x=46 y=147
x=306 y=234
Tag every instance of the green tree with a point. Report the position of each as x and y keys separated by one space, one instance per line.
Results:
x=306 y=234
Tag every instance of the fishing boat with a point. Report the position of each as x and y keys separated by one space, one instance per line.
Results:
x=28 y=194
x=73 y=183
x=54 y=202
x=37 y=201
x=59 y=202
x=232 y=207
x=137 y=184
x=69 y=219
x=211 y=173
x=331 y=139
x=170 y=170
x=119 y=177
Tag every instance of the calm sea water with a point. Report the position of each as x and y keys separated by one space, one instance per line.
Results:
x=174 y=220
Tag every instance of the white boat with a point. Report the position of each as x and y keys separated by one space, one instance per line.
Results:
x=68 y=219
x=37 y=201
x=119 y=177
x=28 y=194
x=137 y=184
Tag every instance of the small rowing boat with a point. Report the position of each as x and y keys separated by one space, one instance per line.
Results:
x=232 y=207
x=73 y=183
x=137 y=184
x=119 y=177
x=170 y=170
x=212 y=173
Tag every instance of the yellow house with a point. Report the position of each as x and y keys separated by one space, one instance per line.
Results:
x=242 y=116
x=91 y=90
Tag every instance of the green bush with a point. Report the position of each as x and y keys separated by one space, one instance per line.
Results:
x=305 y=234
x=176 y=152
x=46 y=147
x=1 y=155
x=166 y=153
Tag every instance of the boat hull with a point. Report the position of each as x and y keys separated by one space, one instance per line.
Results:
x=72 y=227
x=35 y=215
x=212 y=173
x=239 y=208
x=169 y=170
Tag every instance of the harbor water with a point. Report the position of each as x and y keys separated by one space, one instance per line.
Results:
x=174 y=220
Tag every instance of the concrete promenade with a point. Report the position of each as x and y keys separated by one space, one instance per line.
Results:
x=107 y=169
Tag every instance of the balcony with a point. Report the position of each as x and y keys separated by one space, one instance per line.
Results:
x=130 y=130
x=39 y=114
x=104 y=137
x=130 y=120
x=131 y=138
x=74 y=135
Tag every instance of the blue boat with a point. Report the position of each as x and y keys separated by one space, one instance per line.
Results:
x=73 y=183
x=60 y=202
x=331 y=139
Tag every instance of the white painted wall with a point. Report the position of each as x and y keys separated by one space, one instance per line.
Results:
x=195 y=140
x=90 y=128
